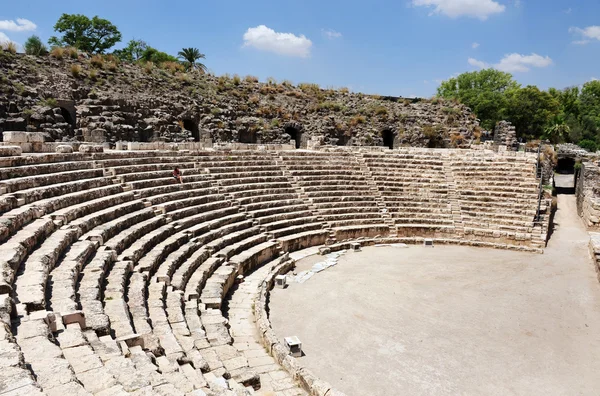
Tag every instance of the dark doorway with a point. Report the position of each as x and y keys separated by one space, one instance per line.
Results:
x=565 y=166
x=247 y=137
x=67 y=116
x=192 y=126
x=295 y=135
x=146 y=135
x=388 y=138
x=342 y=140
x=565 y=177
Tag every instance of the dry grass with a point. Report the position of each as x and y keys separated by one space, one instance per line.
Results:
x=97 y=61
x=72 y=52
x=57 y=53
x=10 y=47
x=76 y=70
x=148 y=67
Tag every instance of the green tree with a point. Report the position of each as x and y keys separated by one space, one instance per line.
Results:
x=190 y=57
x=156 y=56
x=484 y=91
x=94 y=35
x=34 y=46
x=133 y=51
x=531 y=111
x=590 y=106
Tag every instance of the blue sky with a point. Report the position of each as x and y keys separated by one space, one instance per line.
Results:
x=402 y=48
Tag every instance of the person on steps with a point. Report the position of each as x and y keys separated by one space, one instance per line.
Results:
x=177 y=175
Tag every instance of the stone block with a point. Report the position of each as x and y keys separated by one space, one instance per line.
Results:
x=10 y=151
x=74 y=317
x=65 y=149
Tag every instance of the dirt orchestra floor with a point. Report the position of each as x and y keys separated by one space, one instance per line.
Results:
x=452 y=320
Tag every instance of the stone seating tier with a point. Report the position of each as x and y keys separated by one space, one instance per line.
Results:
x=129 y=269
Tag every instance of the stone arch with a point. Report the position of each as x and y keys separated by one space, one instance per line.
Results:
x=295 y=131
x=192 y=126
x=247 y=136
x=66 y=114
x=388 y=138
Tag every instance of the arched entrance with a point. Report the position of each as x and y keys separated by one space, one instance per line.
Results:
x=66 y=114
x=565 y=177
x=295 y=135
x=192 y=126
x=247 y=136
x=388 y=138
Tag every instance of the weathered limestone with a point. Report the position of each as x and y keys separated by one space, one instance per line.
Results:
x=167 y=273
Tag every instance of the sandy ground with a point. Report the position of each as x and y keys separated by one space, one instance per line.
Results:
x=452 y=320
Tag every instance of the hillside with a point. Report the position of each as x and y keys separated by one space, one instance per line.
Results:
x=76 y=97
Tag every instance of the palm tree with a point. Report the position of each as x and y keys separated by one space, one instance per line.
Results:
x=190 y=56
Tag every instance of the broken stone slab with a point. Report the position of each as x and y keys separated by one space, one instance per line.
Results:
x=74 y=317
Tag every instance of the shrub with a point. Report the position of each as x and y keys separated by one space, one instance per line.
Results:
x=251 y=79
x=183 y=77
x=236 y=79
x=75 y=70
x=275 y=123
x=309 y=88
x=589 y=145
x=356 y=120
x=381 y=111
x=330 y=106
x=215 y=111
x=344 y=90
x=254 y=99
x=34 y=46
x=451 y=110
x=93 y=74
x=50 y=102
x=97 y=61
x=57 y=53
x=172 y=67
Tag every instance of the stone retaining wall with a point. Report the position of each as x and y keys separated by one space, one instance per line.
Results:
x=311 y=383
x=588 y=199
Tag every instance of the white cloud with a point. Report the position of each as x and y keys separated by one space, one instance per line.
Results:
x=22 y=25
x=4 y=38
x=568 y=10
x=478 y=63
x=481 y=9
x=475 y=45
x=515 y=63
x=331 y=34
x=522 y=63
x=267 y=39
x=590 y=32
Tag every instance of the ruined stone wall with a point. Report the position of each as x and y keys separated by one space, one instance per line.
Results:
x=505 y=134
x=588 y=195
x=125 y=102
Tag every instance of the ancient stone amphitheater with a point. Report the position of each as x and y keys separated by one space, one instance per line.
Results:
x=116 y=279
